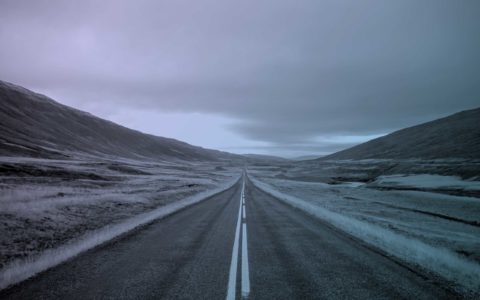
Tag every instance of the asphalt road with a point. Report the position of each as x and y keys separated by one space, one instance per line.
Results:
x=228 y=246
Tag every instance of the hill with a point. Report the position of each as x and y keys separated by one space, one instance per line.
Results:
x=455 y=136
x=34 y=125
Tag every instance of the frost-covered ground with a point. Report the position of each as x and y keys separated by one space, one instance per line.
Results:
x=48 y=203
x=457 y=176
x=427 y=181
x=382 y=214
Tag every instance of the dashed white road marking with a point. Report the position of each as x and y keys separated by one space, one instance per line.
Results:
x=245 y=269
x=232 y=278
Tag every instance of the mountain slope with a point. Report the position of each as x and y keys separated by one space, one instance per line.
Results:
x=455 y=136
x=35 y=125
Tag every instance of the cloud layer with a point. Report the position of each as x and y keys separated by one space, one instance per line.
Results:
x=288 y=72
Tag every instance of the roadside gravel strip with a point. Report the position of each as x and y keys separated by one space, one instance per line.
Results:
x=21 y=270
x=448 y=264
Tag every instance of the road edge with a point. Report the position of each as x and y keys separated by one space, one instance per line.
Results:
x=452 y=267
x=20 y=270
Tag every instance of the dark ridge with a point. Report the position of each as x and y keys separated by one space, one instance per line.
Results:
x=34 y=125
x=455 y=136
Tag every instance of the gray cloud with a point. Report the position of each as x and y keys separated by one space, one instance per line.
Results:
x=289 y=70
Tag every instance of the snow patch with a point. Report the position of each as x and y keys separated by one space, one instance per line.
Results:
x=352 y=184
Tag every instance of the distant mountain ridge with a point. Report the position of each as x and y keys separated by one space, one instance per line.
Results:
x=34 y=125
x=264 y=157
x=454 y=136
x=307 y=157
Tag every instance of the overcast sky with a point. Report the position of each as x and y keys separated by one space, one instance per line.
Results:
x=274 y=77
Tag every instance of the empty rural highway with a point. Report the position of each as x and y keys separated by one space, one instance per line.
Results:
x=241 y=243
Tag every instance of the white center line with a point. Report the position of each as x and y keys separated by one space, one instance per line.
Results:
x=245 y=271
x=232 y=278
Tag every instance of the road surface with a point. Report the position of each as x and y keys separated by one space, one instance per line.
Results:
x=241 y=243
